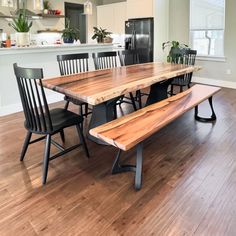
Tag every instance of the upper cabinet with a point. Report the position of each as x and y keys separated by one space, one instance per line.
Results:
x=139 y=8
x=112 y=17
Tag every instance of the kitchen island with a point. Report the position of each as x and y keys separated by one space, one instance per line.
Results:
x=36 y=57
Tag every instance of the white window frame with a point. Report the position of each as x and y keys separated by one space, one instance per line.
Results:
x=208 y=57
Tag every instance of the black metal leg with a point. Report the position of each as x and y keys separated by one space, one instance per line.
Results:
x=82 y=139
x=139 y=163
x=203 y=119
x=67 y=105
x=181 y=89
x=133 y=101
x=158 y=92
x=102 y=113
x=118 y=168
x=25 y=146
x=46 y=158
x=62 y=134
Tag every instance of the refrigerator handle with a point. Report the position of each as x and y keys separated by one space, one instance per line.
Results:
x=133 y=40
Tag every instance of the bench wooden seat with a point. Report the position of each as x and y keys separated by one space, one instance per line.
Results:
x=131 y=130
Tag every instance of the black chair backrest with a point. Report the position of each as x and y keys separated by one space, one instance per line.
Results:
x=33 y=99
x=129 y=57
x=73 y=63
x=186 y=57
x=105 y=60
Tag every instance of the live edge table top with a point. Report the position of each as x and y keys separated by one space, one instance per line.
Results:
x=96 y=87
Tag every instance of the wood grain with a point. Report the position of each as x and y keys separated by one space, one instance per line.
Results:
x=99 y=86
x=126 y=132
x=190 y=181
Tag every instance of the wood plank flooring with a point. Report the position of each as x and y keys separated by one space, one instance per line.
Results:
x=189 y=182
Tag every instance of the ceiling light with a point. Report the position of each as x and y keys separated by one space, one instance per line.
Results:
x=88 y=8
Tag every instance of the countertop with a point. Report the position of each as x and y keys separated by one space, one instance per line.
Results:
x=48 y=48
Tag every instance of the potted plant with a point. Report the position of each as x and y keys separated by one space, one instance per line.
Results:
x=100 y=34
x=46 y=6
x=22 y=26
x=69 y=35
x=176 y=50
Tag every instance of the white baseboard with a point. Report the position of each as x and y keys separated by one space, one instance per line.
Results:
x=13 y=108
x=220 y=83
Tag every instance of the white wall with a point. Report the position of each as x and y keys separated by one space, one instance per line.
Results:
x=161 y=27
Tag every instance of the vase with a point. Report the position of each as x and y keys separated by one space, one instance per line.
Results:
x=100 y=40
x=45 y=11
x=68 y=40
x=22 y=39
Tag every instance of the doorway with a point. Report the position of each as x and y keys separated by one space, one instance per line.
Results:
x=75 y=12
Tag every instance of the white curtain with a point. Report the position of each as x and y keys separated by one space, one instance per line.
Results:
x=207 y=14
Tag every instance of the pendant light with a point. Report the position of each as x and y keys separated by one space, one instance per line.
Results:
x=38 y=5
x=88 y=8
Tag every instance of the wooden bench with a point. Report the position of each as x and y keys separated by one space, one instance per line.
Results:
x=131 y=130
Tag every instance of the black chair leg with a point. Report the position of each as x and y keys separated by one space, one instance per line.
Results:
x=133 y=101
x=67 y=105
x=82 y=114
x=25 y=146
x=181 y=89
x=86 y=110
x=81 y=110
x=171 y=90
x=62 y=134
x=115 y=112
x=82 y=139
x=139 y=98
x=46 y=158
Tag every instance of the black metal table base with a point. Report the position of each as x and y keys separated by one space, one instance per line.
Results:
x=118 y=168
x=102 y=113
x=158 y=92
x=206 y=119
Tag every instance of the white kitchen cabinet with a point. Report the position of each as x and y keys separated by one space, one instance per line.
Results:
x=112 y=17
x=139 y=8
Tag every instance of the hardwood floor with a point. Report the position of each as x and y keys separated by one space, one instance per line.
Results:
x=189 y=182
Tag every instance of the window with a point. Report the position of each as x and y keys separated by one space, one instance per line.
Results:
x=207 y=24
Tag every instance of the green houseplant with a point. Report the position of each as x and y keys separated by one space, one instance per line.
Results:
x=46 y=6
x=22 y=26
x=176 y=50
x=69 y=34
x=100 y=34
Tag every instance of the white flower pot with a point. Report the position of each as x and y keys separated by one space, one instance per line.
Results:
x=22 y=39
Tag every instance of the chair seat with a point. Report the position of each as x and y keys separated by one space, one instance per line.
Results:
x=74 y=101
x=61 y=118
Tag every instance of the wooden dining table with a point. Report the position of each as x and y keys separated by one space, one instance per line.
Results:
x=103 y=88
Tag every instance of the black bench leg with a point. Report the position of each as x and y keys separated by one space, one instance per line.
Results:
x=118 y=168
x=203 y=119
x=139 y=163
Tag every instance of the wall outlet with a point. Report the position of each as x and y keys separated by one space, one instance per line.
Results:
x=228 y=72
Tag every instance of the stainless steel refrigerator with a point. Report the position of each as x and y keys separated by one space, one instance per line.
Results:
x=139 y=34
